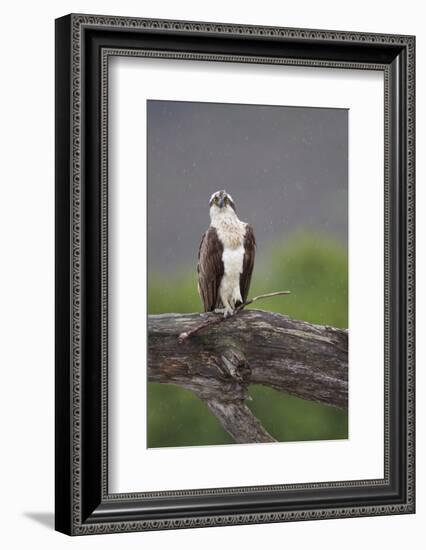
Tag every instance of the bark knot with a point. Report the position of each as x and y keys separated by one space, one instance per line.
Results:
x=235 y=364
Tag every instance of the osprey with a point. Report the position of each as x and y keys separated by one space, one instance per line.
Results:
x=225 y=257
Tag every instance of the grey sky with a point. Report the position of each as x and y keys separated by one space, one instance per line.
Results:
x=286 y=168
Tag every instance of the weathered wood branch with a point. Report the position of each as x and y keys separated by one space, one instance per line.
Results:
x=254 y=347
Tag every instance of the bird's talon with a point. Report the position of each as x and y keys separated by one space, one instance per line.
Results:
x=228 y=313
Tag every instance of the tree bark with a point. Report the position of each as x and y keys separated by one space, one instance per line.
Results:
x=254 y=347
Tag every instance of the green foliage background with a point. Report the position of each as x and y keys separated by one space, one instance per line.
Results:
x=315 y=268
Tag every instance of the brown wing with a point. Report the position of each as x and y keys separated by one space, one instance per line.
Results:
x=248 y=262
x=210 y=269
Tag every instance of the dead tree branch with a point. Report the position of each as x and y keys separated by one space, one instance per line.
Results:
x=254 y=347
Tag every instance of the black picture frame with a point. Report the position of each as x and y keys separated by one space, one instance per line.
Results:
x=83 y=44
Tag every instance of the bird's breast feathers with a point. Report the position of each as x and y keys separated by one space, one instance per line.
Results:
x=231 y=232
x=233 y=259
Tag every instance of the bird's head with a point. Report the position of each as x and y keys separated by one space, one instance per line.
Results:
x=221 y=203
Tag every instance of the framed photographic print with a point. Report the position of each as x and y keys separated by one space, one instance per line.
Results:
x=234 y=274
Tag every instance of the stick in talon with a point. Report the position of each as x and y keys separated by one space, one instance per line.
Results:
x=216 y=319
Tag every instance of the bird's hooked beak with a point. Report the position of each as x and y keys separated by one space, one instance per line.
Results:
x=221 y=202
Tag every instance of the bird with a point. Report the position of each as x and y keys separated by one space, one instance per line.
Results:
x=225 y=257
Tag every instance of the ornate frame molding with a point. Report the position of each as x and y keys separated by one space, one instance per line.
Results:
x=72 y=45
